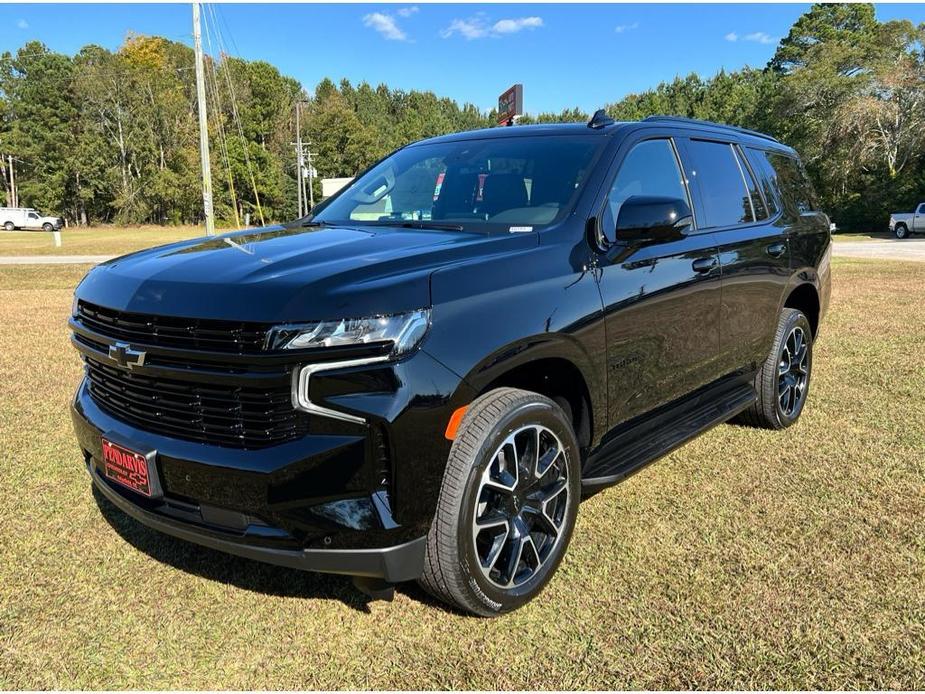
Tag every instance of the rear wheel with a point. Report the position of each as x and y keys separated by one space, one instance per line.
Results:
x=507 y=504
x=9 y=226
x=782 y=382
x=901 y=231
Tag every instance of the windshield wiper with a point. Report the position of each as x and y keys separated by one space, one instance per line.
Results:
x=422 y=225
x=314 y=223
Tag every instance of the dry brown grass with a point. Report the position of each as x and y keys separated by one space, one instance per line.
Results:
x=745 y=559
x=105 y=240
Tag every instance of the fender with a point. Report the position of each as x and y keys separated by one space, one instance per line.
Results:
x=501 y=313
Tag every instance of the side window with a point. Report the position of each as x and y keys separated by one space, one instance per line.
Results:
x=726 y=201
x=33 y=215
x=650 y=168
x=758 y=205
x=795 y=188
x=922 y=208
x=766 y=174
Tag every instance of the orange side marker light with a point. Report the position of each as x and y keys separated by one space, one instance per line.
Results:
x=454 y=422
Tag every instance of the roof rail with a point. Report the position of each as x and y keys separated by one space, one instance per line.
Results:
x=723 y=126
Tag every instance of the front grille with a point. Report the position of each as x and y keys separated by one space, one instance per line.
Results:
x=218 y=414
x=237 y=337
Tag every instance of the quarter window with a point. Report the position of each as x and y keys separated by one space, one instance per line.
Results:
x=791 y=180
x=726 y=201
x=650 y=168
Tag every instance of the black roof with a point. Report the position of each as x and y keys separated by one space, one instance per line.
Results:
x=524 y=131
x=607 y=130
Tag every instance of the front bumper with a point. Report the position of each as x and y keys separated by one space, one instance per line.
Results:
x=320 y=502
x=403 y=562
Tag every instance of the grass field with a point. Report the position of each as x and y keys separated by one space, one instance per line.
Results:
x=744 y=559
x=107 y=240
x=870 y=236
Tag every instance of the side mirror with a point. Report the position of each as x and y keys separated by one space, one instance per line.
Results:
x=650 y=218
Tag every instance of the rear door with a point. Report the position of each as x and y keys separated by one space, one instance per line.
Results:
x=753 y=245
x=661 y=299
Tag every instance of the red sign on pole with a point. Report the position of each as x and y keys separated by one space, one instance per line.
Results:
x=511 y=104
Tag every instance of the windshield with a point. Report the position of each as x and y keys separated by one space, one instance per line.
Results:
x=494 y=184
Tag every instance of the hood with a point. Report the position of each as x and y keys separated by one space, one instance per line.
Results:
x=283 y=274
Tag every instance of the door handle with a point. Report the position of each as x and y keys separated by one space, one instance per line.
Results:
x=776 y=250
x=704 y=265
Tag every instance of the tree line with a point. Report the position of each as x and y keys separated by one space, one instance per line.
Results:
x=111 y=136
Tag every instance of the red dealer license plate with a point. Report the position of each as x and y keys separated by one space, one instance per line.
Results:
x=126 y=467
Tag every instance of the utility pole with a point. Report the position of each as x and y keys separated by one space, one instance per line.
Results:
x=12 y=183
x=311 y=178
x=203 y=125
x=298 y=154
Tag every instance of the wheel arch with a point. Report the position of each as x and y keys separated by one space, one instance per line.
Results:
x=805 y=297
x=551 y=365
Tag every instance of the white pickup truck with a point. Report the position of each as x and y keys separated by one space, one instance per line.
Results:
x=27 y=218
x=903 y=224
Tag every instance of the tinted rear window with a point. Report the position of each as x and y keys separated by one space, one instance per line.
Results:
x=767 y=176
x=722 y=188
x=761 y=211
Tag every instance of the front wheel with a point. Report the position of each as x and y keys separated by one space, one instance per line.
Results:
x=507 y=505
x=47 y=227
x=782 y=382
x=901 y=231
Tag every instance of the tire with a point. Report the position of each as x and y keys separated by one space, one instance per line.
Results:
x=47 y=227
x=523 y=546
x=9 y=226
x=901 y=231
x=783 y=381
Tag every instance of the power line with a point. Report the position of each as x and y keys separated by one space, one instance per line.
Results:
x=203 y=126
x=234 y=112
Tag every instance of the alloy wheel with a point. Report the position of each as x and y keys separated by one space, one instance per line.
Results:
x=793 y=372
x=521 y=506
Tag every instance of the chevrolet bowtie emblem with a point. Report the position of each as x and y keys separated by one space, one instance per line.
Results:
x=124 y=355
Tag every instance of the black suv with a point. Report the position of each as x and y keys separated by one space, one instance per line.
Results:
x=421 y=379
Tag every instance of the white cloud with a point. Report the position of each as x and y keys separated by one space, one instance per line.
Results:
x=754 y=37
x=407 y=11
x=385 y=25
x=22 y=24
x=512 y=26
x=759 y=37
x=477 y=27
x=621 y=28
x=474 y=28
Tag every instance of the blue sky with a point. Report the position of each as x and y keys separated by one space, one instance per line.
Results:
x=565 y=55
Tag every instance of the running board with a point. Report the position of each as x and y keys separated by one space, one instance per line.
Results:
x=639 y=443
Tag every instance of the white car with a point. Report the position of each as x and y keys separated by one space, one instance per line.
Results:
x=903 y=224
x=27 y=218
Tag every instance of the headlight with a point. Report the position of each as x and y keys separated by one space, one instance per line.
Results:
x=74 y=307
x=403 y=330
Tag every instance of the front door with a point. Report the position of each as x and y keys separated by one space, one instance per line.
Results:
x=661 y=300
x=918 y=223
